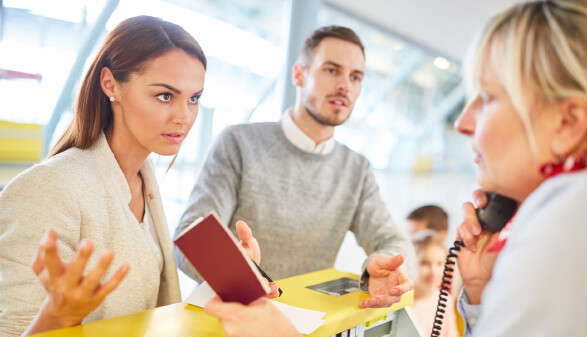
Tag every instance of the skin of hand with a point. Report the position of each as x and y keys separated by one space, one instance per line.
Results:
x=475 y=262
x=387 y=281
x=71 y=296
x=248 y=242
x=259 y=318
x=251 y=246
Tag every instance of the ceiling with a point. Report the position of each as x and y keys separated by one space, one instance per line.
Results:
x=444 y=27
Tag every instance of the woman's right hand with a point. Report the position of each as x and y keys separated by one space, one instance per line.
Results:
x=71 y=296
x=475 y=261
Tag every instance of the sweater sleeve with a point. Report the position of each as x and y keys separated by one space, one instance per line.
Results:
x=31 y=204
x=216 y=189
x=375 y=229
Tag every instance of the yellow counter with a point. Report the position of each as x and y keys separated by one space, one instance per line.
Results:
x=342 y=312
x=182 y=319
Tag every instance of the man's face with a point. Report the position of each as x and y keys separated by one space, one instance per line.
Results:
x=331 y=83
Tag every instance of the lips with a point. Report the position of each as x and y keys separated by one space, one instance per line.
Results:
x=174 y=137
x=339 y=101
x=478 y=157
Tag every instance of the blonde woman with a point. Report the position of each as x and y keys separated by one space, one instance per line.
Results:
x=528 y=126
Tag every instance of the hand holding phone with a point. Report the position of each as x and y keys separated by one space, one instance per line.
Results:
x=493 y=217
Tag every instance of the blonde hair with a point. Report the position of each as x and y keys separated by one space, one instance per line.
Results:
x=538 y=51
x=422 y=242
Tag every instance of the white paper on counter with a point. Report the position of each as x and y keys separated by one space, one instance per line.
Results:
x=304 y=320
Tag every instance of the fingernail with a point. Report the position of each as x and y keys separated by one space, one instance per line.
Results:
x=478 y=201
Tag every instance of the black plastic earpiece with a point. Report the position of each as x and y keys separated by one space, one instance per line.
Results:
x=498 y=211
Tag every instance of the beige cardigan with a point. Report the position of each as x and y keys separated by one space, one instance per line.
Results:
x=81 y=194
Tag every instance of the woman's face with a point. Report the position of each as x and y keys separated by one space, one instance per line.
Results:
x=430 y=266
x=156 y=108
x=507 y=163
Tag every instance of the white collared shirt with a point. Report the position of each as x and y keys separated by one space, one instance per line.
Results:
x=301 y=140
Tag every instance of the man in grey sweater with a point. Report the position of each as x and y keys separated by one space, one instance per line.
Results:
x=298 y=189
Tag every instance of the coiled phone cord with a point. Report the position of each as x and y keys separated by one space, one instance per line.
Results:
x=493 y=217
x=447 y=275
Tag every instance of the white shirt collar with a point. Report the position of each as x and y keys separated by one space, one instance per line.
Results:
x=301 y=140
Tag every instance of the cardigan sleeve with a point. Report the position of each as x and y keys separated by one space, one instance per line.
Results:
x=35 y=201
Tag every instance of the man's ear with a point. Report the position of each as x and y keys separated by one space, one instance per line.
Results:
x=107 y=82
x=571 y=131
x=297 y=75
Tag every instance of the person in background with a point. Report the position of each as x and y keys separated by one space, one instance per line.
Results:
x=428 y=218
x=298 y=188
x=94 y=202
x=527 y=119
x=433 y=220
x=431 y=255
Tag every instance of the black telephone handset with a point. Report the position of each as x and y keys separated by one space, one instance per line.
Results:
x=493 y=217
x=498 y=211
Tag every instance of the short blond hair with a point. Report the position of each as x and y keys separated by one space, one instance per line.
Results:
x=430 y=239
x=539 y=52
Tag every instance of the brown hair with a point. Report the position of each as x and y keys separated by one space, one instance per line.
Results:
x=435 y=216
x=319 y=34
x=133 y=42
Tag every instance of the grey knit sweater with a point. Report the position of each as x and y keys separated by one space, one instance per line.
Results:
x=298 y=204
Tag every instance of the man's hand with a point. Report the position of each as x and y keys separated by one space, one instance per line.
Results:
x=259 y=318
x=251 y=246
x=387 y=281
x=248 y=242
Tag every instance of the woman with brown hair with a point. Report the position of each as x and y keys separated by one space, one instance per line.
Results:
x=97 y=191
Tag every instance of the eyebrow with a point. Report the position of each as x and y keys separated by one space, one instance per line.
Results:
x=177 y=91
x=356 y=71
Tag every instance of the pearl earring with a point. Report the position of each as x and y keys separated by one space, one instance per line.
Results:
x=112 y=99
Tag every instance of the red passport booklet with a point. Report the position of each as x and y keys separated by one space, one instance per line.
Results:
x=220 y=259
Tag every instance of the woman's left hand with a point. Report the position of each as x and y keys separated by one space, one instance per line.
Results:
x=475 y=260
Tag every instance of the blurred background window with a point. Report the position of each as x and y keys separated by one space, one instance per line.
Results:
x=402 y=122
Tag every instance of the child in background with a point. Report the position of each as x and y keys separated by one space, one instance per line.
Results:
x=433 y=220
x=431 y=256
x=428 y=218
